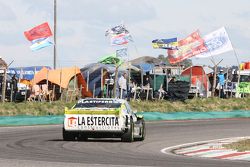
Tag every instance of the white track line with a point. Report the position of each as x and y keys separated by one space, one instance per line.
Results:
x=168 y=150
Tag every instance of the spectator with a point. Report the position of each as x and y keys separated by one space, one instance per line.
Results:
x=221 y=78
x=14 y=86
x=148 y=80
x=173 y=79
x=122 y=82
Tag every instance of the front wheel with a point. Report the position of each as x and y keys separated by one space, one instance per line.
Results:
x=143 y=131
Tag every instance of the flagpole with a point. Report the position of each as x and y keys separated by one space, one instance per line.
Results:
x=54 y=34
x=237 y=58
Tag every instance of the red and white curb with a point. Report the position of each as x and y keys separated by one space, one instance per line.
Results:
x=210 y=149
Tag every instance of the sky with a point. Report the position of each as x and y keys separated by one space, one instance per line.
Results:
x=81 y=26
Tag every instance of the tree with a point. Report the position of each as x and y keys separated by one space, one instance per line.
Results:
x=187 y=63
x=163 y=59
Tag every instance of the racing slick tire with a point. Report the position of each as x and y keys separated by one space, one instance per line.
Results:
x=143 y=131
x=68 y=136
x=129 y=135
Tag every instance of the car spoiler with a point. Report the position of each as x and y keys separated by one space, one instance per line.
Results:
x=100 y=111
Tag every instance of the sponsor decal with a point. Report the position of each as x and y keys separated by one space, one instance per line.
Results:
x=98 y=121
x=98 y=101
x=93 y=122
x=72 y=122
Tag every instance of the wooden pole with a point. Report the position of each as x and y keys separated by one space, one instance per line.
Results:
x=101 y=82
x=4 y=84
x=141 y=77
x=167 y=79
x=80 y=93
x=191 y=75
x=226 y=87
x=202 y=82
x=60 y=81
x=25 y=96
x=147 y=91
x=34 y=79
x=47 y=79
x=215 y=73
x=74 y=88
x=135 y=86
x=154 y=81
x=115 y=81
x=87 y=81
x=11 y=94
x=74 y=80
x=94 y=91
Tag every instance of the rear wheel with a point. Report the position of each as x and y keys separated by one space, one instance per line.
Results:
x=143 y=131
x=129 y=135
x=68 y=136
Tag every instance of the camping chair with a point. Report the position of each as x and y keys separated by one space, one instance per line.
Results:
x=147 y=89
x=46 y=93
x=135 y=90
x=35 y=93
x=162 y=92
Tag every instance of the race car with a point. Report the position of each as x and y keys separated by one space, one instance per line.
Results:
x=103 y=118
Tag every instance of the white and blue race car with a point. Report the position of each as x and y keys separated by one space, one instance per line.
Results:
x=103 y=118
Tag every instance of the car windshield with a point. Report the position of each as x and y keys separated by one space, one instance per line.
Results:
x=97 y=104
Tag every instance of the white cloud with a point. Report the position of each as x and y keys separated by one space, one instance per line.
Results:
x=6 y=13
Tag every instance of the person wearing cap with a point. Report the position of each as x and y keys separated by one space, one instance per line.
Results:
x=221 y=79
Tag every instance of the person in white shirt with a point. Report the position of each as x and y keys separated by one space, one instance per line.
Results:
x=123 y=85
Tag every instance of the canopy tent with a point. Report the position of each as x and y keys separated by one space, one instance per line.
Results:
x=92 y=73
x=146 y=59
x=129 y=66
x=198 y=77
x=62 y=77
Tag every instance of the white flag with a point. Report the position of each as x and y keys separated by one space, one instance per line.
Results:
x=122 y=53
x=217 y=42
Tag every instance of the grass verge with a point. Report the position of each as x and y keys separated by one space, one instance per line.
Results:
x=197 y=104
x=243 y=145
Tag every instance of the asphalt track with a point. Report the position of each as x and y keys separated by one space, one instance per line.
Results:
x=43 y=146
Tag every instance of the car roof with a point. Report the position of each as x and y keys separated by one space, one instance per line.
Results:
x=103 y=99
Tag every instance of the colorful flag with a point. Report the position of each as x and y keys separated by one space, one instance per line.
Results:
x=165 y=43
x=119 y=29
x=217 y=42
x=188 y=47
x=120 y=39
x=40 y=31
x=40 y=43
x=39 y=36
x=119 y=35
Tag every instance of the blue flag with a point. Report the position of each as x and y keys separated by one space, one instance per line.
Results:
x=40 y=43
x=170 y=43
